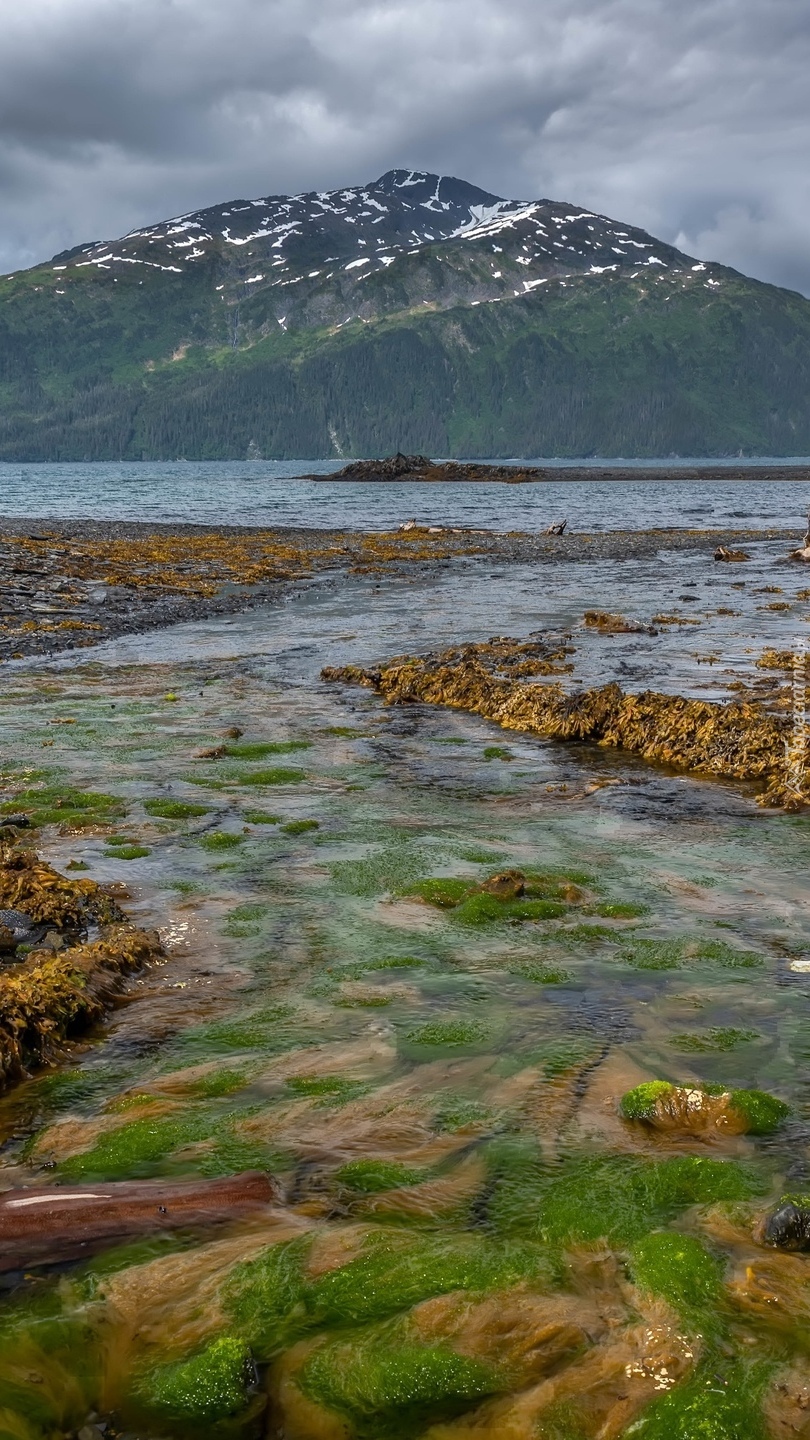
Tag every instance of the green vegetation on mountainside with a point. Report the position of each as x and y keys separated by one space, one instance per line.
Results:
x=591 y=365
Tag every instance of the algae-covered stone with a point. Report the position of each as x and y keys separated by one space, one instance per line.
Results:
x=210 y=1386
x=678 y=1268
x=371 y=1379
x=707 y=1407
x=701 y=1110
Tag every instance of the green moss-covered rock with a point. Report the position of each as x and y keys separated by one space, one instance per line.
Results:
x=452 y=1033
x=678 y=1268
x=372 y=1379
x=221 y=840
x=210 y=1386
x=762 y=1112
x=707 y=1407
x=615 y=1197
x=640 y=1103
x=266 y=1297
x=257 y=750
x=174 y=809
x=708 y=1107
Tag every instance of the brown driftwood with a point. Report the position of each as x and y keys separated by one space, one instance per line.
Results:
x=46 y=1225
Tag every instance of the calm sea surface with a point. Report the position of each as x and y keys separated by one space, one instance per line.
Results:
x=266 y=493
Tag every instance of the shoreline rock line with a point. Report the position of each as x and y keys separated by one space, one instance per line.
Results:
x=731 y=741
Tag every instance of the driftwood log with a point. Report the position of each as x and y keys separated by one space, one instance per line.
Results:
x=50 y=1224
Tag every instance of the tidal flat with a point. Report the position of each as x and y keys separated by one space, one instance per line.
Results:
x=518 y=1026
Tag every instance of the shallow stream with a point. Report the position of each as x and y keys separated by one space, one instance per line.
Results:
x=473 y=1242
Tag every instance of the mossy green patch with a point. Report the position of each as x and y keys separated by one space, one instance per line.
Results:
x=717 y=1038
x=762 y=1112
x=677 y=1268
x=458 y=1112
x=710 y=1406
x=221 y=840
x=277 y=775
x=174 y=809
x=649 y=954
x=330 y=1088
x=265 y=1297
x=262 y=817
x=257 y=750
x=61 y=805
x=208 y=1387
x=136 y=1149
x=497 y=752
x=397 y=1270
x=300 y=827
x=245 y=920
x=450 y=1033
x=218 y=1083
x=542 y=974
x=640 y=1103
x=613 y=1197
x=370 y=1380
x=370 y=1176
x=125 y=851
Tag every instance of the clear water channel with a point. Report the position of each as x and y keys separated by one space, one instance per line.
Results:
x=473 y=1242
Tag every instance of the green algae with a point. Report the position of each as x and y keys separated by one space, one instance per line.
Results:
x=300 y=827
x=371 y=1381
x=709 y=1406
x=482 y=909
x=446 y=894
x=174 y=809
x=762 y=1113
x=621 y=910
x=258 y=750
x=245 y=920
x=397 y=1270
x=49 y=1367
x=218 y=1083
x=542 y=974
x=451 y=1033
x=497 y=752
x=221 y=840
x=205 y=1388
x=640 y=1103
x=265 y=1297
x=458 y=1112
x=371 y=1176
x=677 y=1268
x=261 y=817
x=129 y=852
x=717 y=1038
x=331 y=1089
x=649 y=954
x=618 y=1198
x=62 y=805
x=277 y=775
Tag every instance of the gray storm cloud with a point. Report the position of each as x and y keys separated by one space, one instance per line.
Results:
x=692 y=120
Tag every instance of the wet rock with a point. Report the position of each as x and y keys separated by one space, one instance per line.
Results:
x=16 y=928
x=787 y=1228
x=19 y=822
x=508 y=885
x=47 y=1225
x=695 y=1110
x=724 y=552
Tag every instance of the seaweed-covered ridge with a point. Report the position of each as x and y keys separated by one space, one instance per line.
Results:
x=62 y=981
x=733 y=740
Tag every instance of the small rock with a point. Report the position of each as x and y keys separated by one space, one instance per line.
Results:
x=788 y=1228
x=508 y=885
x=724 y=553
x=233 y=732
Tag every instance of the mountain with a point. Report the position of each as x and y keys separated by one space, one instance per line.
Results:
x=418 y=313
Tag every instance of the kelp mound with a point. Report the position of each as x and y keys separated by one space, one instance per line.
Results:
x=48 y=994
x=735 y=740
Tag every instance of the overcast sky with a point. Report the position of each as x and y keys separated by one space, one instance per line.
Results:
x=688 y=117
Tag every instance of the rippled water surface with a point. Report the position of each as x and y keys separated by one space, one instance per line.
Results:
x=473 y=1242
x=267 y=493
